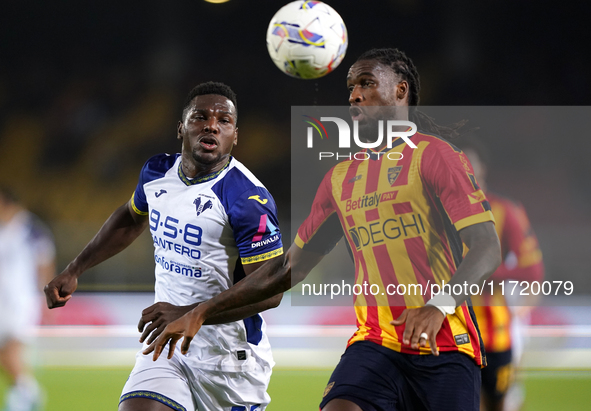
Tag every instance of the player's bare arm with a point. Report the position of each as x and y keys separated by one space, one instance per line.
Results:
x=482 y=259
x=156 y=317
x=116 y=234
x=247 y=310
x=270 y=279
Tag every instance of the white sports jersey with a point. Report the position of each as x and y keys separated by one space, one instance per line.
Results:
x=203 y=230
x=25 y=242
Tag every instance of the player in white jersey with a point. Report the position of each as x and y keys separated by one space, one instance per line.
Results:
x=212 y=222
x=27 y=260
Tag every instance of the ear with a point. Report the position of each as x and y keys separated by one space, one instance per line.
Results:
x=236 y=136
x=179 y=130
x=402 y=90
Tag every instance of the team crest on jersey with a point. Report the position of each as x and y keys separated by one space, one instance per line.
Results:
x=201 y=205
x=393 y=173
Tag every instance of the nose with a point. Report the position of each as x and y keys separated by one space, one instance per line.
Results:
x=356 y=95
x=211 y=126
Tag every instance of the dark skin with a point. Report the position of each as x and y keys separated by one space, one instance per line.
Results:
x=208 y=132
x=375 y=93
x=374 y=89
x=275 y=277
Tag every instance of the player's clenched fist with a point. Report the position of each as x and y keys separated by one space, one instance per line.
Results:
x=185 y=327
x=60 y=289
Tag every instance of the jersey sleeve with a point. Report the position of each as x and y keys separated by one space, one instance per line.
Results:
x=448 y=173
x=154 y=168
x=139 y=203
x=321 y=230
x=253 y=216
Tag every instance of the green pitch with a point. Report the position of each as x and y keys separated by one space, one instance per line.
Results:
x=99 y=389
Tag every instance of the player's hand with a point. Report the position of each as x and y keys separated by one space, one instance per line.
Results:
x=427 y=319
x=157 y=317
x=185 y=327
x=59 y=290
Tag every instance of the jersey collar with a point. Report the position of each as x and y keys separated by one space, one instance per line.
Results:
x=376 y=154
x=201 y=179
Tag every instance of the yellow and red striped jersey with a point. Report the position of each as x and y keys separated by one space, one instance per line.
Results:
x=522 y=261
x=401 y=218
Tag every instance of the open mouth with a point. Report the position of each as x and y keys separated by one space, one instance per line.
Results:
x=356 y=113
x=208 y=142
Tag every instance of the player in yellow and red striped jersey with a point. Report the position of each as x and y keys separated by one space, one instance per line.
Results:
x=522 y=261
x=393 y=213
x=429 y=203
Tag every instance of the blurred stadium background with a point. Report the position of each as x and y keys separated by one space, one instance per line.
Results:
x=89 y=91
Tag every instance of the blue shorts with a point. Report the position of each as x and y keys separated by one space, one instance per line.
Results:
x=377 y=378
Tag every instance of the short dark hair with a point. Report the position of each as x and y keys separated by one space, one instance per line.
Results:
x=211 y=87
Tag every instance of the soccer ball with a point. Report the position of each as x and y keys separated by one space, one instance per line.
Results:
x=307 y=39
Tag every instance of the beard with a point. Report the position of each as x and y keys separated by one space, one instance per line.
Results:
x=206 y=159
